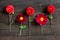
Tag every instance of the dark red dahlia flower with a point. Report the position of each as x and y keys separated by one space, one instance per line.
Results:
x=30 y=11
x=10 y=9
x=41 y=19
x=21 y=18
x=51 y=9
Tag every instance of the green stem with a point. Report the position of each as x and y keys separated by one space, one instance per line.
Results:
x=29 y=26
x=51 y=25
x=10 y=19
x=41 y=30
x=20 y=30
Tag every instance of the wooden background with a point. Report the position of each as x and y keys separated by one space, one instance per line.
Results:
x=39 y=6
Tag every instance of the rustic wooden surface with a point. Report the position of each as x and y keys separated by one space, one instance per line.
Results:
x=20 y=5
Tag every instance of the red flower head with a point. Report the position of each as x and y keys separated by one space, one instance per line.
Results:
x=41 y=19
x=10 y=9
x=30 y=11
x=51 y=9
x=21 y=18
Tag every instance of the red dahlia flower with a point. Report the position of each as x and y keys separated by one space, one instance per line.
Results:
x=30 y=11
x=21 y=18
x=10 y=9
x=41 y=19
x=51 y=9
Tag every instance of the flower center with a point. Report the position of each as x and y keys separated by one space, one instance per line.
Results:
x=21 y=18
x=29 y=10
x=51 y=8
x=42 y=19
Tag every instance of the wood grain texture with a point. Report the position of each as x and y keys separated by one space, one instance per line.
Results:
x=39 y=6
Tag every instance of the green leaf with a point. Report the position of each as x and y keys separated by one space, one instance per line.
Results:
x=50 y=17
x=22 y=26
